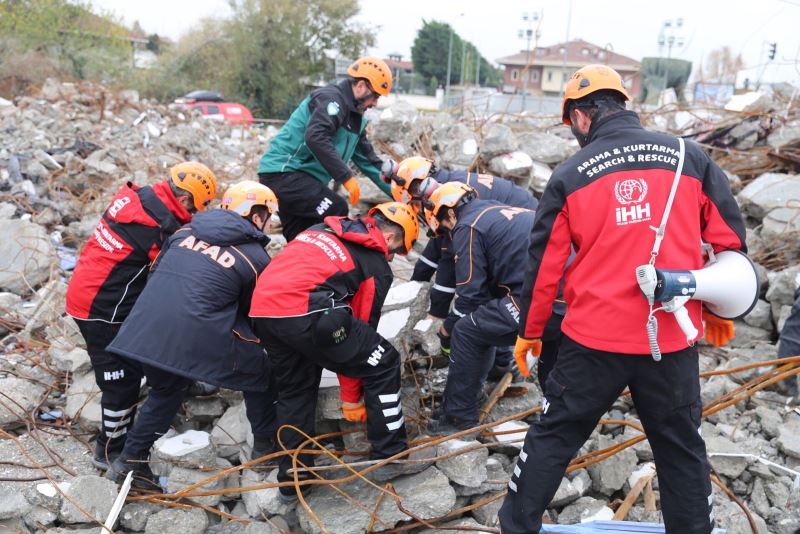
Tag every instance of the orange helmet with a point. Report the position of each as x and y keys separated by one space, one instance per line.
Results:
x=404 y=216
x=411 y=170
x=375 y=71
x=243 y=196
x=197 y=179
x=588 y=80
x=449 y=195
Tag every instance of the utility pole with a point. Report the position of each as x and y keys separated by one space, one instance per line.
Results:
x=527 y=34
x=669 y=36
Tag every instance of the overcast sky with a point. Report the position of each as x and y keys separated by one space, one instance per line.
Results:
x=630 y=27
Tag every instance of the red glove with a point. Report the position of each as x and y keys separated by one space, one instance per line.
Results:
x=354 y=412
x=718 y=331
x=521 y=349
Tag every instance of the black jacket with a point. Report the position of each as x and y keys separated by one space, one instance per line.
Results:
x=490 y=243
x=191 y=319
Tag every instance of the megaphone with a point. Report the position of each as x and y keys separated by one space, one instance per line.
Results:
x=729 y=286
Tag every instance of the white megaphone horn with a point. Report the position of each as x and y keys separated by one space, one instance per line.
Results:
x=729 y=286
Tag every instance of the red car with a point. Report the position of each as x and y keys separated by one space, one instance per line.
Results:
x=213 y=106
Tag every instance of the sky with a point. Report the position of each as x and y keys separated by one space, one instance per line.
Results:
x=630 y=27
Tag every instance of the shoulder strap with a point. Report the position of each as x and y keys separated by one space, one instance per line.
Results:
x=662 y=228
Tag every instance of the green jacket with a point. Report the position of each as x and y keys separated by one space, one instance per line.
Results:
x=323 y=134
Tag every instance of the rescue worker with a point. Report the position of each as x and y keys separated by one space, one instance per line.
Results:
x=317 y=306
x=489 y=243
x=415 y=179
x=606 y=200
x=321 y=137
x=111 y=273
x=191 y=323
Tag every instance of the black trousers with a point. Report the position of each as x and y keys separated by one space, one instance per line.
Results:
x=303 y=200
x=297 y=367
x=472 y=355
x=582 y=386
x=119 y=380
x=167 y=391
x=164 y=399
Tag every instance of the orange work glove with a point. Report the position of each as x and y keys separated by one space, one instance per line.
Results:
x=351 y=184
x=355 y=412
x=718 y=331
x=521 y=349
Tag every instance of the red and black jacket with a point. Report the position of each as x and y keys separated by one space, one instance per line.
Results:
x=606 y=201
x=112 y=269
x=342 y=262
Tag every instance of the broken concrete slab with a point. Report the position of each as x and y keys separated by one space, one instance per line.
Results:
x=514 y=165
x=498 y=139
x=230 y=434
x=427 y=494
x=21 y=397
x=610 y=475
x=88 y=494
x=467 y=468
x=83 y=401
x=192 y=448
x=193 y=521
x=767 y=192
x=584 y=510
x=75 y=361
x=729 y=466
x=789 y=436
x=26 y=256
x=263 y=501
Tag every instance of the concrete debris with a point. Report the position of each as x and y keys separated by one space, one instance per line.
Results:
x=609 y=476
x=192 y=521
x=20 y=398
x=83 y=401
x=191 y=448
x=263 y=501
x=26 y=256
x=468 y=468
x=88 y=494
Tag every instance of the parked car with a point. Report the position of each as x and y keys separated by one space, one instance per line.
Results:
x=214 y=107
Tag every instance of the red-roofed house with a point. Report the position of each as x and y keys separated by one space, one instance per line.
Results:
x=548 y=71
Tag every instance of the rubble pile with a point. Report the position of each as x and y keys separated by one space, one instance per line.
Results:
x=65 y=151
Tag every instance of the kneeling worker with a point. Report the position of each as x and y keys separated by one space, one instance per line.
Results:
x=191 y=323
x=317 y=306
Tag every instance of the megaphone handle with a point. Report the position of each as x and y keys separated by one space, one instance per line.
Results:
x=682 y=316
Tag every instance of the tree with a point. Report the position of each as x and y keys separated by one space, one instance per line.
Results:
x=720 y=66
x=264 y=55
x=429 y=53
x=83 y=43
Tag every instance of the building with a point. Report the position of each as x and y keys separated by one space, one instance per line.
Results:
x=549 y=70
x=402 y=73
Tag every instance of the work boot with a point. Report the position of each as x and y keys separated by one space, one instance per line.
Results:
x=288 y=494
x=103 y=458
x=499 y=371
x=143 y=477
x=263 y=447
x=201 y=389
x=446 y=425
